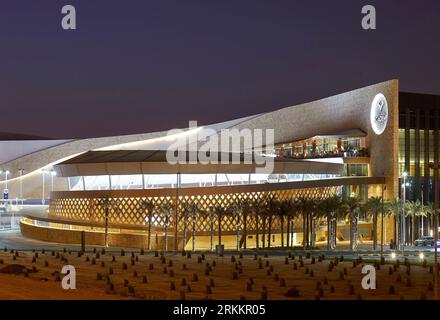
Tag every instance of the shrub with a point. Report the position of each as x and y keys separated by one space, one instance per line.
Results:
x=313 y=260
x=325 y=280
x=102 y=264
x=46 y=263
x=350 y=289
x=195 y=277
x=188 y=288
x=292 y=293
x=308 y=255
x=248 y=286
x=124 y=266
x=312 y=274
x=345 y=271
x=93 y=261
x=263 y=295
x=151 y=266
x=135 y=274
x=391 y=290
x=122 y=253
x=286 y=261
x=188 y=255
x=214 y=263
x=295 y=267
x=232 y=258
x=165 y=270
x=182 y=295
x=98 y=276
x=208 y=289
x=110 y=271
x=144 y=279
x=171 y=273
x=172 y=286
x=276 y=277
x=390 y=270
x=170 y=263
x=234 y=275
x=125 y=282
x=399 y=278
x=332 y=289
x=184 y=266
x=199 y=259
x=282 y=282
x=341 y=275
x=97 y=255
x=211 y=282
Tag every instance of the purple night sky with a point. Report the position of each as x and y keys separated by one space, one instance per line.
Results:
x=141 y=66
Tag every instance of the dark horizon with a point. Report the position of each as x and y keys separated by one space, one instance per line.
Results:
x=151 y=66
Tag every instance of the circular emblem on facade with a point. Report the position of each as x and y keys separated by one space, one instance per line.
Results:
x=379 y=113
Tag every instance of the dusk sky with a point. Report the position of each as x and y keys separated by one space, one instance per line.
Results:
x=142 y=66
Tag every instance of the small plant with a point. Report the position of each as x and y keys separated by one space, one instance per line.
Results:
x=241 y=255
x=144 y=279
x=170 y=263
x=211 y=282
x=124 y=266
x=248 y=286
x=295 y=267
x=182 y=295
x=122 y=253
x=93 y=261
x=276 y=277
x=188 y=255
x=282 y=282
x=390 y=270
x=286 y=261
x=332 y=289
x=308 y=255
x=208 y=289
x=98 y=276
x=135 y=274
x=234 y=275
x=341 y=275
x=142 y=252
x=292 y=293
x=102 y=264
x=199 y=259
x=345 y=271
x=46 y=263
x=151 y=266
x=171 y=273
x=97 y=255
x=313 y=260
x=214 y=263
x=113 y=258
x=172 y=286
x=399 y=278
x=125 y=282
x=165 y=270
x=325 y=281
x=312 y=274
x=350 y=289
x=184 y=266
x=263 y=295
x=195 y=277
x=391 y=290
x=408 y=282
x=110 y=271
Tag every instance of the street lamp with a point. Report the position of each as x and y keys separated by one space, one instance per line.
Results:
x=6 y=172
x=43 y=172
x=52 y=175
x=21 y=171
x=402 y=224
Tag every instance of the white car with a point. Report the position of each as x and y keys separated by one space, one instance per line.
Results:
x=425 y=241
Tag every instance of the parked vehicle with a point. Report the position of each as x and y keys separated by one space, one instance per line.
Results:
x=424 y=241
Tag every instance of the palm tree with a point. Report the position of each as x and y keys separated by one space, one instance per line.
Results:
x=211 y=226
x=186 y=207
x=246 y=209
x=305 y=206
x=328 y=207
x=272 y=208
x=426 y=211
x=394 y=207
x=374 y=206
x=283 y=210
x=166 y=208
x=195 y=212
x=148 y=206
x=237 y=209
x=352 y=204
x=106 y=203
x=220 y=211
x=257 y=206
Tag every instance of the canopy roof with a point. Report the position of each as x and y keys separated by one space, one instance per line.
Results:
x=118 y=162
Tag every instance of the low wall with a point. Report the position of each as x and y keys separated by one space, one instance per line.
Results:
x=126 y=240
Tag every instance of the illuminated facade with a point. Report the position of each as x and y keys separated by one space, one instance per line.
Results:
x=345 y=144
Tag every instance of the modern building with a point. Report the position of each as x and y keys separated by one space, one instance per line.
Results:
x=356 y=143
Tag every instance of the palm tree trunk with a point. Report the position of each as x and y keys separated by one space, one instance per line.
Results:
x=282 y=231
x=185 y=222
x=194 y=234
x=335 y=232
x=219 y=229
x=269 y=231
x=313 y=231
x=351 y=230
x=257 y=236
x=212 y=233
x=304 y=231
x=149 y=230
x=245 y=230
x=413 y=229
x=329 y=232
x=106 y=228
x=288 y=232
x=237 y=227
x=166 y=237
x=375 y=230
x=264 y=232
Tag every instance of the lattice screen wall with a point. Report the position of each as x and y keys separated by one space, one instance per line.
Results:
x=129 y=212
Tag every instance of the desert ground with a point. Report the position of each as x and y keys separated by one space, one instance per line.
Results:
x=139 y=275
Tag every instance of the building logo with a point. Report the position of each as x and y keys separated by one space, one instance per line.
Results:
x=379 y=113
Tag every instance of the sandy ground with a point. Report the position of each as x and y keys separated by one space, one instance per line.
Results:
x=274 y=271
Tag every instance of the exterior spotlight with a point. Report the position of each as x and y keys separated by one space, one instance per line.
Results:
x=421 y=256
x=404 y=174
x=393 y=255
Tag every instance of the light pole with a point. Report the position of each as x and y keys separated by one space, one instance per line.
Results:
x=52 y=175
x=435 y=166
x=43 y=171
x=402 y=220
x=21 y=171
x=6 y=172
